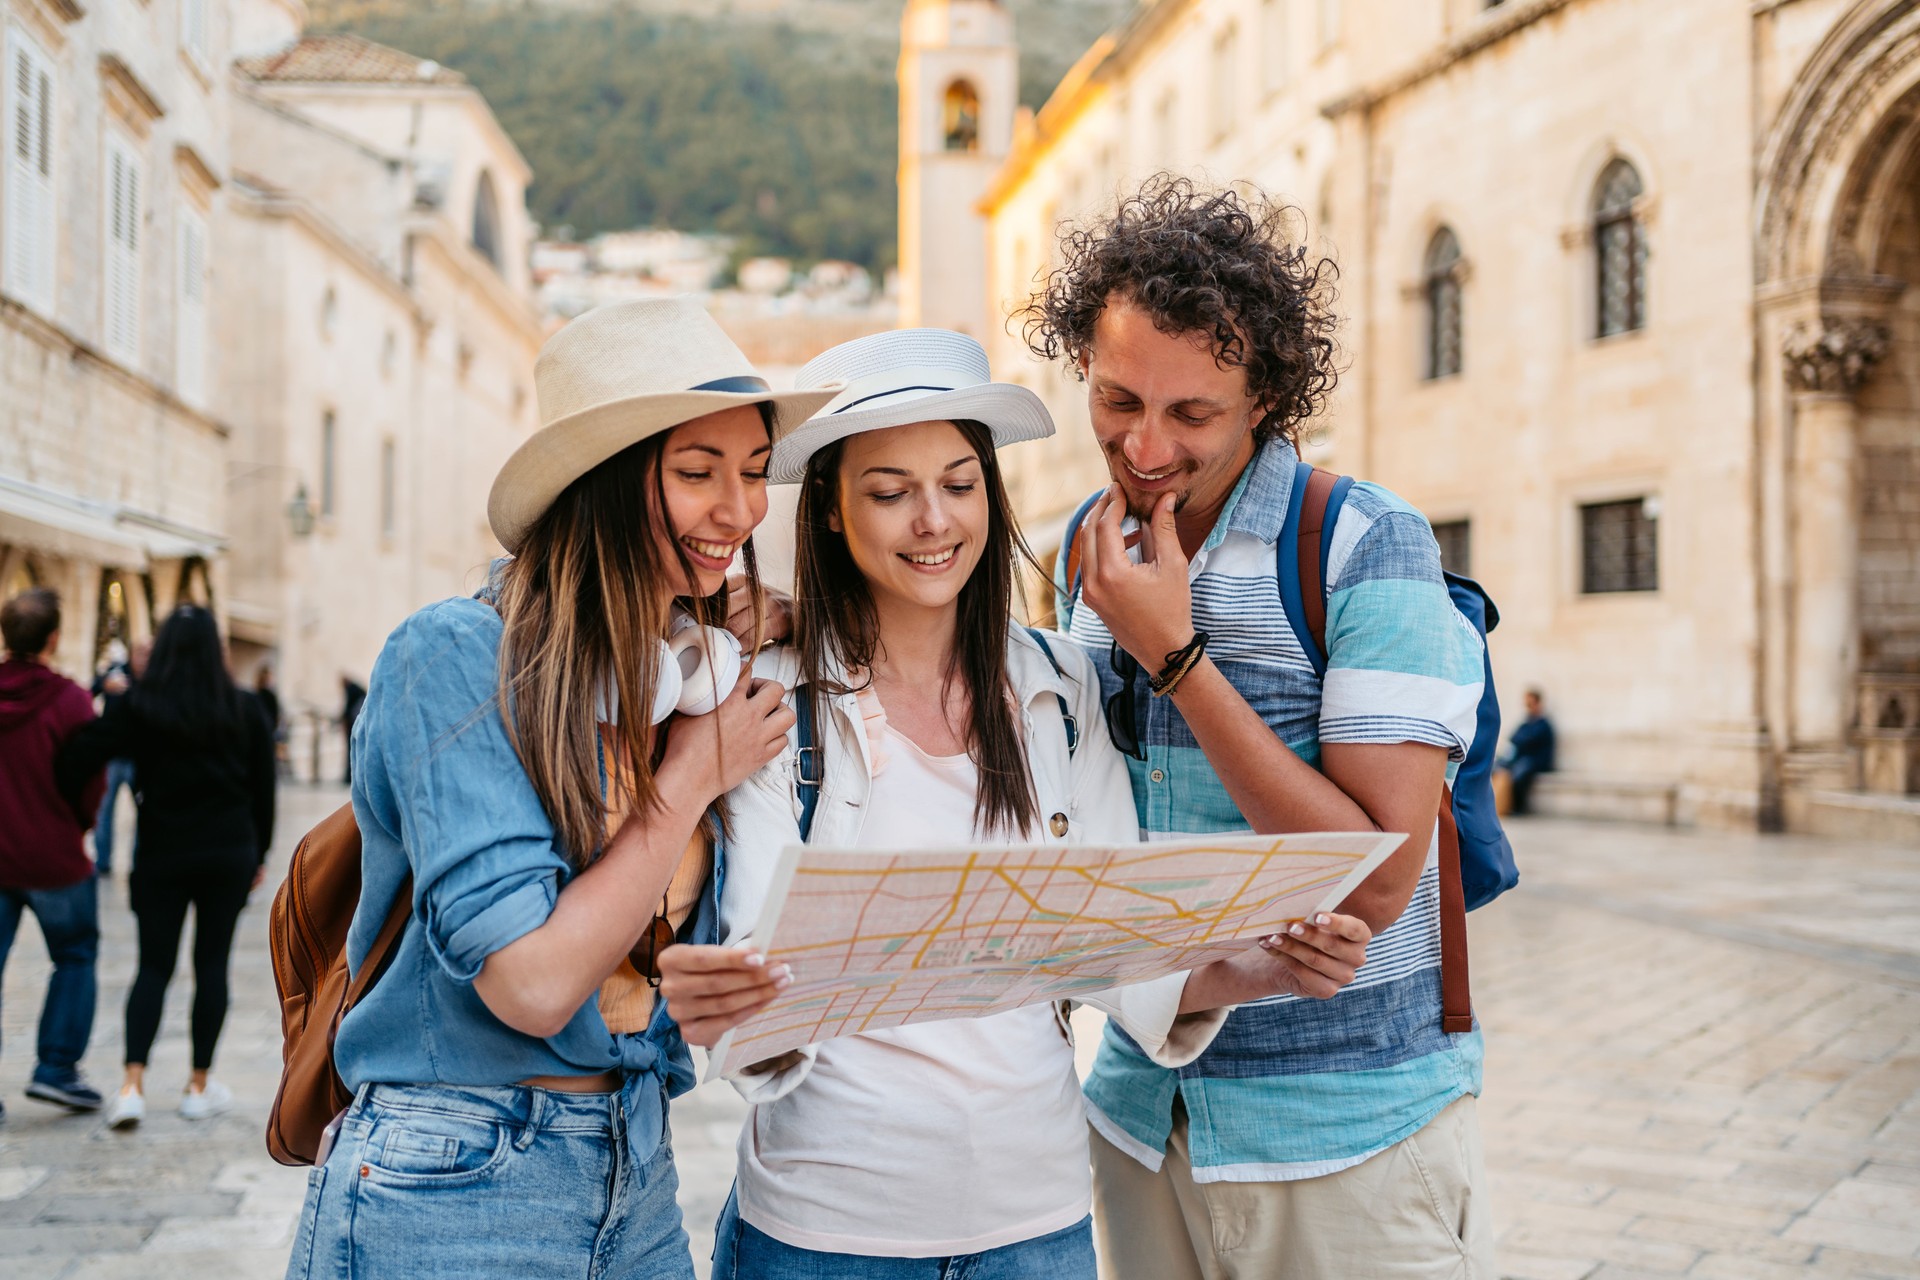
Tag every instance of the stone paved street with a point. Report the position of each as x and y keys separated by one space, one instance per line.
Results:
x=1703 y=1060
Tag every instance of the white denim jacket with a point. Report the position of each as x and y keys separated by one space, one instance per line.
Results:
x=1088 y=787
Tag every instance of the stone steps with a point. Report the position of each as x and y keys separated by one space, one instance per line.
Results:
x=1604 y=799
x=1856 y=815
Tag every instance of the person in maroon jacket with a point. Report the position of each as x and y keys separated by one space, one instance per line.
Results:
x=44 y=867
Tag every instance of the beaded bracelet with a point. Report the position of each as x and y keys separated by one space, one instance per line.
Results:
x=1179 y=662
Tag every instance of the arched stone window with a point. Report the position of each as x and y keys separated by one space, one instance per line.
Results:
x=486 y=220
x=1620 y=251
x=1442 y=277
x=960 y=117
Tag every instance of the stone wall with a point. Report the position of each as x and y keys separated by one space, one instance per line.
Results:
x=77 y=426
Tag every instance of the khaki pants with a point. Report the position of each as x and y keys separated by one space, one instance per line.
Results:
x=1416 y=1211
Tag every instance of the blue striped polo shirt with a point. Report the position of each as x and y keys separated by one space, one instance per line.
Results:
x=1295 y=1088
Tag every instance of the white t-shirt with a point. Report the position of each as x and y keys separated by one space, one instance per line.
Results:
x=928 y=1140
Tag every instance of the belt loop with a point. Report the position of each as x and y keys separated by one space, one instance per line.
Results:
x=536 y=1109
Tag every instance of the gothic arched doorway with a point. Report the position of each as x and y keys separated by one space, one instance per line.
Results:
x=1838 y=286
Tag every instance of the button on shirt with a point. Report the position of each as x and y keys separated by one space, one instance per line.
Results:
x=1296 y=1088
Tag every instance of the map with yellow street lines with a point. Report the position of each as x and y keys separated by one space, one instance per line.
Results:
x=879 y=940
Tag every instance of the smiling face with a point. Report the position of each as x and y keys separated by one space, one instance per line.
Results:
x=914 y=512
x=1169 y=417
x=713 y=471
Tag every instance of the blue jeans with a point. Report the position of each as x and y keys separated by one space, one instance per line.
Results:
x=438 y=1182
x=119 y=774
x=741 y=1252
x=70 y=921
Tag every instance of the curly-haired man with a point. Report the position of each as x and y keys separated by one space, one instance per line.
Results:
x=1313 y=1139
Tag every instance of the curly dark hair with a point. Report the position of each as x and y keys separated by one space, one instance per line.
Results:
x=1203 y=261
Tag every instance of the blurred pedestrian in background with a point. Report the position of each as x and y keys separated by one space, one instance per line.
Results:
x=43 y=860
x=353 y=696
x=270 y=704
x=204 y=756
x=111 y=686
x=1529 y=751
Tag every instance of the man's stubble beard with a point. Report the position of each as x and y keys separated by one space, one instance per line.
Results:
x=1144 y=515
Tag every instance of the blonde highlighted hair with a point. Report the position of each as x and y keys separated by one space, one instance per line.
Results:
x=583 y=612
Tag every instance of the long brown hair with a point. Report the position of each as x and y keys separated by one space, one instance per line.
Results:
x=581 y=608
x=837 y=623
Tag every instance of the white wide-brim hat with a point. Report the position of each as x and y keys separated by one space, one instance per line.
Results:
x=615 y=376
x=901 y=377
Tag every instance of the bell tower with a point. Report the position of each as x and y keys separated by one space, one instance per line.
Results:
x=959 y=87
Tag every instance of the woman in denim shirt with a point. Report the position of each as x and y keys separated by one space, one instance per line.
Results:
x=511 y=1069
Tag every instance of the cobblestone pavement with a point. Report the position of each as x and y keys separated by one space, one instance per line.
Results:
x=1703 y=1060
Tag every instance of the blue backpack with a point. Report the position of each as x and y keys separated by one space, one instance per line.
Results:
x=1476 y=860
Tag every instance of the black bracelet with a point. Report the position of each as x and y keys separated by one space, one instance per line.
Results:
x=1179 y=662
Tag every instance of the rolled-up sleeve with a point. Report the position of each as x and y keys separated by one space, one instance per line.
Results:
x=1150 y=1013
x=486 y=868
x=1403 y=665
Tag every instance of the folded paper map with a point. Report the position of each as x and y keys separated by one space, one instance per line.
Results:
x=879 y=940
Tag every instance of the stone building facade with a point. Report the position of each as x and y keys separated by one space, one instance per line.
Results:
x=386 y=331
x=112 y=443
x=266 y=332
x=1625 y=289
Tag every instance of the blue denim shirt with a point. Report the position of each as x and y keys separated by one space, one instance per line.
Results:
x=439 y=790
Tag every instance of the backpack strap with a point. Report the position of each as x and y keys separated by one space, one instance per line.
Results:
x=1306 y=545
x=1456 y=993
x=1070 y=548
x=1306 y=542
x=385 y=943
x=1066 y=714
x=809 y=772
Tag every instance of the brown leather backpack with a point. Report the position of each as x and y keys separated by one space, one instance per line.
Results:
x=307 y=935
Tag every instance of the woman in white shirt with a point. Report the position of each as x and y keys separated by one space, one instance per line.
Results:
x=959 y=1146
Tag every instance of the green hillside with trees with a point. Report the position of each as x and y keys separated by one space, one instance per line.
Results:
x=775 y=123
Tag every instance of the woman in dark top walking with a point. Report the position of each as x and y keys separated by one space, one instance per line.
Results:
x=203 y=761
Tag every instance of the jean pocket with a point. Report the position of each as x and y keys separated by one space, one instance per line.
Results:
x=425 y=1148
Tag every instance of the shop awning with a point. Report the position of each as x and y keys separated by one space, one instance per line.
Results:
x=64 y=526
x=105 y=533
x=165 y=540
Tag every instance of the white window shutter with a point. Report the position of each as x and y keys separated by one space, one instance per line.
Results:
x=44 y=216
x=123 y=252
x=30 y=232
x=193 y=27
x=111 y=261
x=191 y=371
x=23 y=129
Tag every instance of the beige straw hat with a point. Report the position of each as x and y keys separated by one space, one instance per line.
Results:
x=615 y=376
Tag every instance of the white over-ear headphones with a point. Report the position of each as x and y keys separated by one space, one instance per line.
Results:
x=698 y=668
